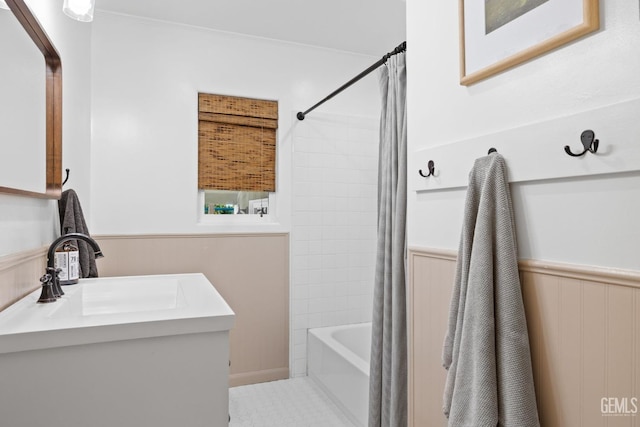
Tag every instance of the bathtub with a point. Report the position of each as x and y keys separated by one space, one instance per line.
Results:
x=338 y=361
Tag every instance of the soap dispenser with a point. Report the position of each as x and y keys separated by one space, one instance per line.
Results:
x=67 y=259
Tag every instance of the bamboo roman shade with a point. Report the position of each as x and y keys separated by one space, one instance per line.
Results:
x=236 y=143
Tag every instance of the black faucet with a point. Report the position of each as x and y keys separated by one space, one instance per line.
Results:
x=51 y=289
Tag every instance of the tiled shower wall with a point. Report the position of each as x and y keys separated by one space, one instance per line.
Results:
x=334 y=225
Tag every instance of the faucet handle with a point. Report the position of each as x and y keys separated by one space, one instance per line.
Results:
x=53 y=270
x=47 y=294
x=55 y=279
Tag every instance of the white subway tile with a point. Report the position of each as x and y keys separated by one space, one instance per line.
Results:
x=300 y=247
x=315 y=262
x=301 y=159
x=315 y=278
x=315 y=320
x=340 y=303
x=300 y=292
x=299 y=306
x=355 y=302
x=300 y=277
x=314 y=233
x=315 y=247
x=329 y=319
x=315 y=291
x=301 y=261
x=300 y=368
x=300 y=351
x=300 y=321
x=329 y=289
x=316 y=305
x=300 y=336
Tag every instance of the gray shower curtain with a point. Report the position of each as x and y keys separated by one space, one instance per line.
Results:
x=388 y=372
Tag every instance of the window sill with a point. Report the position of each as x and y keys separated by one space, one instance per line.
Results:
x=238 y=223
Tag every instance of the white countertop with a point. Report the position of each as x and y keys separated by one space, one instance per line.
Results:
x=115 y=308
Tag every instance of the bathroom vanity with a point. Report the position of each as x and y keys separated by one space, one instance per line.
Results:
x=125 y=351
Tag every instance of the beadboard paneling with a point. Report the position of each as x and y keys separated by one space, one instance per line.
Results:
x=251 y=272
x=19 y=274
x=583 y=330
x=430 y=279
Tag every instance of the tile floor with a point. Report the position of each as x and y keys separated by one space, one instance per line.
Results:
x=296 y=402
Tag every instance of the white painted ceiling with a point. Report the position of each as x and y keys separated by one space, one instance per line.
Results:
x=371 y=27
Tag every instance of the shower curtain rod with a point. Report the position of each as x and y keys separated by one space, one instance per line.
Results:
x=400 y=48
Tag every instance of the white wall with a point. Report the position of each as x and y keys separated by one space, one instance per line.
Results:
x=27 y=223
x=146 y=76
x=590 y=220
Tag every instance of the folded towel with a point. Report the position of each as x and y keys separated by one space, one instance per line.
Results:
x=486 y=350
x=72 y=221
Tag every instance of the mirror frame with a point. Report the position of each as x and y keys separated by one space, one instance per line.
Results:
x=53 y=101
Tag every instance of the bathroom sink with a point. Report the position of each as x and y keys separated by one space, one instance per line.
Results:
x=114 y=308
x=126 y=295
x=131 y=296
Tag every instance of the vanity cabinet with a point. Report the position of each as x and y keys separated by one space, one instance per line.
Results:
x=135 y=351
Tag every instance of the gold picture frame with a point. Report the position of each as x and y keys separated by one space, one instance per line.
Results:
x=496 y=35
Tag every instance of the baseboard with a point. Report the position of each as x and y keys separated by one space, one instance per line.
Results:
x=254 y=377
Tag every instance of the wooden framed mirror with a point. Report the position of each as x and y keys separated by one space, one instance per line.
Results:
x=30 y=108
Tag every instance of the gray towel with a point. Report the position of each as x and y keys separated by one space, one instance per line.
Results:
x=72 y=221
x=486 y=350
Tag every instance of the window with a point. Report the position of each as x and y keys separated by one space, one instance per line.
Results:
x=236 y=153
x=236 y=202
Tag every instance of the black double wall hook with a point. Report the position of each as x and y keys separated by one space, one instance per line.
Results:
x=432 y=170
x=589 y=142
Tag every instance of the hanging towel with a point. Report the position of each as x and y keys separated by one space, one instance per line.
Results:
x=72 y=221
x=486 y=350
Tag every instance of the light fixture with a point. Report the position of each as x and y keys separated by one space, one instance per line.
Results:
x=3 y=5
x=80 y=10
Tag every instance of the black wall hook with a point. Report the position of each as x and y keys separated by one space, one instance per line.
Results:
x=492 y=150
x=589 y=142
x=67 y=177
x=432 y=169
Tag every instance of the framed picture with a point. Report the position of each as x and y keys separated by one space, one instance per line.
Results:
x=498 y=34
